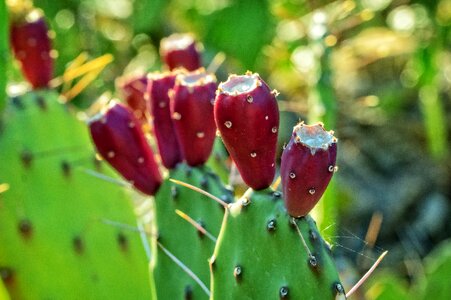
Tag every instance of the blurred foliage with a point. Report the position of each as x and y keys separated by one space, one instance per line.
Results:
x=386 y=286
x=433 y=283
x=4 y=52
x=436 y=281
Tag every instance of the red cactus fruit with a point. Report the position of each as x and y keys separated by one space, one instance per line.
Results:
x=181 y=50
x=192 y=102
x=32 y=48
x=247 y=117
x=133 y=90
x=158 y=90
x=308 y=163
x=119 y=139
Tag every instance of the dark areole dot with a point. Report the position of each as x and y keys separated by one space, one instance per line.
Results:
x=174 y=192
x=18 y=103
x=313 y=262
x=271 y=226
x=25 y=228
x=312 y=235
x=26 y=157
x=122 y=241
x=245 y=201
x=188 y=293
x=77 y=243
x=204 y=183
x=238 y=272
x=65 y=167
x=283 y=292
x=339 y=289
x=40 y=101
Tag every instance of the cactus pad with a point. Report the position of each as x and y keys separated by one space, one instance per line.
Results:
x=53 y=242
x=180 y=238
x=260 y=254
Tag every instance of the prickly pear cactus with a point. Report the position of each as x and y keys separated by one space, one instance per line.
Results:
x=260 y=254
x=54 y=244
x=184 y=241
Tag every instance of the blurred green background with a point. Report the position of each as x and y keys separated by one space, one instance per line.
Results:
x=378 y=72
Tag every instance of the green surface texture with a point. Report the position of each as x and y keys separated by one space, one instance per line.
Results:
x=260 y=255
x=53 y=243
x=182 y=239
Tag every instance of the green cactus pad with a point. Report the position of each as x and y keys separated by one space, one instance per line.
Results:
x=183 y=240
x=53 y=243
x=260 y=254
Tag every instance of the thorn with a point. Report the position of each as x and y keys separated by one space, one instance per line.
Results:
x=293 y=221
x=196 y=189
x=276 y=183
x=195 y=224
x=143 y=235
x=184 y=268
x=367 y=274
x=124 y=226
x=216 y=62
x=107 y=178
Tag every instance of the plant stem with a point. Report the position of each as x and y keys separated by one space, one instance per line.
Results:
x=429 y=95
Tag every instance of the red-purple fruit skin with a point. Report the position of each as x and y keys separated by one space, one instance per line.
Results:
x=120 y=141
x=31 y=46
x=133 y=91
x=186 y=57
x=192 y=112
x=305 y=176
x=163 y=125
x=251 y=139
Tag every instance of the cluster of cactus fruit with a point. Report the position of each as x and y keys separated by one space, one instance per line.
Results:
x=263 y=245
x=256 y=247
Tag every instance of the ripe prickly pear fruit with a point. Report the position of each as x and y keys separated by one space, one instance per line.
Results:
x=32 y=48
x=159 y=85
x=133 y=90
x=192 y=102
x=180 y=50
x=247 y=117
x=119 y=139
x=308 y=163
